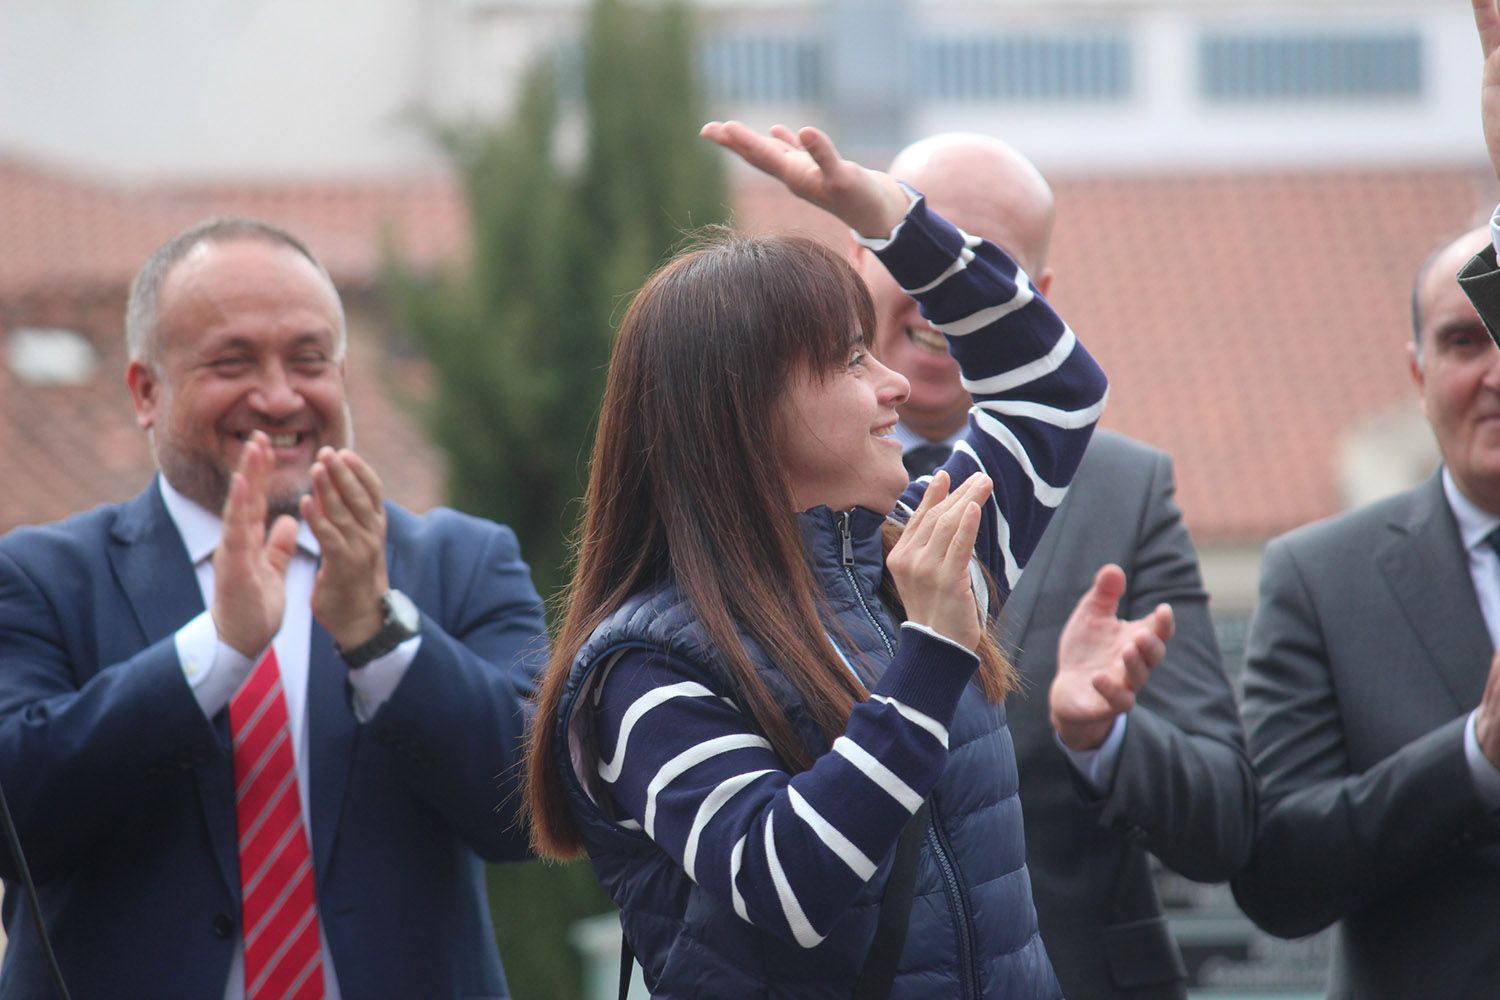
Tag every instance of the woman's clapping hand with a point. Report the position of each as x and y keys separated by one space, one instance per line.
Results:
x=930 y=563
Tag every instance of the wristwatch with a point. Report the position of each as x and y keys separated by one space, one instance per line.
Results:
x=402 y=622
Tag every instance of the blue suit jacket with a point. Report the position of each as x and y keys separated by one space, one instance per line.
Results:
x=123 y=792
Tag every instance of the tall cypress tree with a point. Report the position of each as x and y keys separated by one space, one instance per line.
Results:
x=519 y=338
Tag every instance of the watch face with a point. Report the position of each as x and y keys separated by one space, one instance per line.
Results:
x=402 y=613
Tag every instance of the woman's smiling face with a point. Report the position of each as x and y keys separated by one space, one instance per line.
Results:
x=837 y=428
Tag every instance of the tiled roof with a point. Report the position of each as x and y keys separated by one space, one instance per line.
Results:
x=1249 y=322
x=59 y=231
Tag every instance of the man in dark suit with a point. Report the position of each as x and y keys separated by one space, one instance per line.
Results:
x=1108 y=773
x=1372 y=697
x=257 y=726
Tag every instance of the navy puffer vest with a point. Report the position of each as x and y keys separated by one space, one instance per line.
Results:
x=973 y=930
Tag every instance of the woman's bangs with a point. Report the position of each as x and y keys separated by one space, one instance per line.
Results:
x=825 y=309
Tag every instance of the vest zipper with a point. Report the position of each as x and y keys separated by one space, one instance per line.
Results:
x=956 y=900
x=847 y=537
x=938 y=843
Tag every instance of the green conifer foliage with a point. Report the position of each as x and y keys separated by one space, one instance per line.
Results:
x=519 y=339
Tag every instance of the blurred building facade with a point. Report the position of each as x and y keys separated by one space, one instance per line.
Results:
x=278 y=87
x=1244 y=193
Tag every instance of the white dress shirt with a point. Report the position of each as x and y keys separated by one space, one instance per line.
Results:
x=910 y=439
x=215 y=670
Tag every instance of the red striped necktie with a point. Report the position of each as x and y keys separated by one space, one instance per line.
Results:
x=278 y=909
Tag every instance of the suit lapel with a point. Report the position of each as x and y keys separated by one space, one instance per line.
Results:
x=158 y=581
x=1422 y=556
x=153 y=567
x=1016 y=617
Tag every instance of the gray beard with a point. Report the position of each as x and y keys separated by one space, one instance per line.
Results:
x=277 y=507
x=209 y=488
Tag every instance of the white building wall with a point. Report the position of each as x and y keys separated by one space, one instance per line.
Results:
x=237 y=88
x=193 y=88
x=1168 y=123
x=204 y=86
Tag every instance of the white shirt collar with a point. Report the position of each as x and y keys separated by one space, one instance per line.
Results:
x=1474 y=523
x=911 y=439
x=200 y=528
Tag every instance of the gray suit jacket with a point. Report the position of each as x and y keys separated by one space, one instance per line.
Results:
x=1183 y=791
x=1367 y=652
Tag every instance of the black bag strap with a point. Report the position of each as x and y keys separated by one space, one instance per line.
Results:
x=627 y=965
x=879 y=970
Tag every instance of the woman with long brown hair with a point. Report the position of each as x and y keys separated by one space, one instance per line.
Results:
x=762 y=678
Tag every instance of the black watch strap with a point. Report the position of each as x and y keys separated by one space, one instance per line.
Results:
x=402 y=621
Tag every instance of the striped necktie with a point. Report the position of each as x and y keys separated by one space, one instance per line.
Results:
x=278 y=910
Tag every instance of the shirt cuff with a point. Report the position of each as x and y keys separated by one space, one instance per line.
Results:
x=372 y=685
x=939 y=636
x=928 y=673
x=877 y=243
x=1097 y=766
x=213 y=668
x=1486 y=778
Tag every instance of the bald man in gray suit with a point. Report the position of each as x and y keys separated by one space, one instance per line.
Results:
x=1105 y=781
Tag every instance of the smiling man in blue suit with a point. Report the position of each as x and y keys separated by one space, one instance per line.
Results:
x=258 y=727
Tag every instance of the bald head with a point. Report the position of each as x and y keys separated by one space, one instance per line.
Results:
x=986 y=188
x=989 y=190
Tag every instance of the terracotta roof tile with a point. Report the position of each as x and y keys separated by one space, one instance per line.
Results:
x=1249 y=321
x=59 y=230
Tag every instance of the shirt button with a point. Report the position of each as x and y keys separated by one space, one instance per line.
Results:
x=223 y=925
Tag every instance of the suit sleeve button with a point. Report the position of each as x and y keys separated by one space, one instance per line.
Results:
x=223 y=925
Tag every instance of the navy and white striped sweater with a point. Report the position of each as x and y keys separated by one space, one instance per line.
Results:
x=682 y=761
